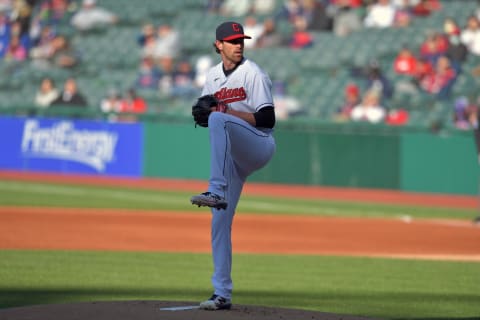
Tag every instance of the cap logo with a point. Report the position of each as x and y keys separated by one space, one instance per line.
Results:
x=230 y=30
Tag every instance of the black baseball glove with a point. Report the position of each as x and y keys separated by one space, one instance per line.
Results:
x=203 y=107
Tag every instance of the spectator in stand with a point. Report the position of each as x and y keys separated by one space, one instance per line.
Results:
x=424 y=68
x=351 y=99
x=70 y=95
x=203 y=64
x=403 y=13
x=111 y=103
x=149 y=47
x=457 y=52
x=405 y=62
x=440 y=81
x=183 y=81
x=4 y=32
x=465 y=114
x=286 y=106
x=16 y=52
x=470 y=35
x=254 y=29
x=132 y=103
x=54 y=12
x=148 y=74
x=450 y=26
x=213 y=6
x=369 y=109
x=46 y=94
x=262 y=7
x=434 y=46
x=167 y=46
x=166 y=79
x=397 y=117
x=425 y=7
x=56 y=53
x=346 y=16
x=315 y=11
x=23 y=37
x=289 y=10
x=375 y=79
x=40 y=20
x=408 y=64
x=90 y=16
x=381 y=14
x=148 y=32
x=45 y=36
x=22 y=13
x=300 y=38
x=64 y=55
x=270 y=37
x=235 y=8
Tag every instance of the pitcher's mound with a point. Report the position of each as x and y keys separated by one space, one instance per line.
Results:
x=158 y=310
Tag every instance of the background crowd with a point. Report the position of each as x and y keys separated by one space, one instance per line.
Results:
x=41 y=32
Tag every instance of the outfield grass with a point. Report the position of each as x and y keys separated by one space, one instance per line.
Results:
x=383 y=288
x=14 y=193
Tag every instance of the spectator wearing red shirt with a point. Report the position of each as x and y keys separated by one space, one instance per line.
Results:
x=414 y=68
x=352 y=98
x=426 y=7
x=405 y=62
x=301 y=37
x=424 y=67
x=440 y=81
x=132 y=103
x=434 y=46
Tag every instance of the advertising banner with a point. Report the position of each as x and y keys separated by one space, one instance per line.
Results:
x=67 y=146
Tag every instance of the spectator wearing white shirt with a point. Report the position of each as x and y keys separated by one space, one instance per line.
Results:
x=90 y=16
x=235 y=8
x=46 y=94
x=263 y=7
x=369 y=109
x=470 y=35
x=380 y=15
x=254 y=30
x=167 y=46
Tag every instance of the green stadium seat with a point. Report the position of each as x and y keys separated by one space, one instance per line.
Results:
x=316 y=76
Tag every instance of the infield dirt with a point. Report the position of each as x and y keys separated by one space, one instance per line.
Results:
x=105 y=229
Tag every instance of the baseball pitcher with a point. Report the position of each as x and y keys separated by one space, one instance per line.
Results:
x=237 y=107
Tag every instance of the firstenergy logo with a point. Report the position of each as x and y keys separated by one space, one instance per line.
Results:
x=94 y=148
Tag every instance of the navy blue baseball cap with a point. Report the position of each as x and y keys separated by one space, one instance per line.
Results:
x=230 y=30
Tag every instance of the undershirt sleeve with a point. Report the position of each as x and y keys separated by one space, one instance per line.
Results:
x=265 y=117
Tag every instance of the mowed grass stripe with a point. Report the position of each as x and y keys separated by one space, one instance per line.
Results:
x=381 y=288
x=20 y=193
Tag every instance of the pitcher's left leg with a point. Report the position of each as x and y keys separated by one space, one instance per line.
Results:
x=222 y=235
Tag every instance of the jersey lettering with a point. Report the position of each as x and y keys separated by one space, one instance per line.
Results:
x=231 y=95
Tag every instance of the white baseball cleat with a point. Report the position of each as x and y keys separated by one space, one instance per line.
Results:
x=208 y=199
x=216 y=302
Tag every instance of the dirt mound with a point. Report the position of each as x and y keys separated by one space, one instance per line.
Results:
x=171 y=310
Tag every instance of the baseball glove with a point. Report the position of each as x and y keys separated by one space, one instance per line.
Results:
x=203 y=107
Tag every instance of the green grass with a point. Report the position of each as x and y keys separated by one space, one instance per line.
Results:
x=382 y=288
x=13 y=193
